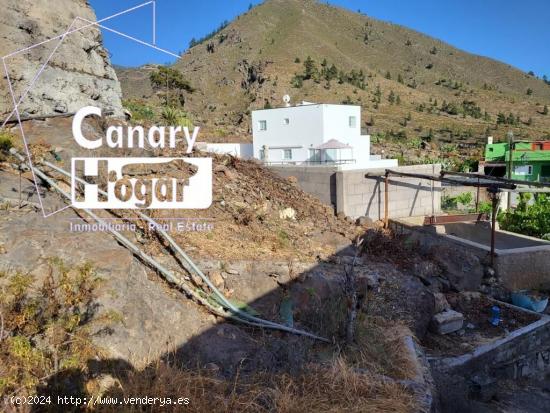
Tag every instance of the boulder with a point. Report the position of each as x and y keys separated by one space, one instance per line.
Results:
x=79 y=73
x=441 y=303
x=447 y=322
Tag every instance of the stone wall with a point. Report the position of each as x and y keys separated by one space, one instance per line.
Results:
x=79 y=72
x=523 y=353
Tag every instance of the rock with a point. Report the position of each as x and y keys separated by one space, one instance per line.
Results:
x=225 y=170
x=105 y=383
x=470 y=295
x=212 y=368
x=441 y=303
x=60 y=107
x=79 y=73
x=217 y=279
x=364 y=222
x=293 y=180
x=196 y=280
x=288 y=213
x=462 y=268
x=447 y=322
x=483 y=388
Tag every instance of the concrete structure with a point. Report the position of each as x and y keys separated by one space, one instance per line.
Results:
x=314 y=134
x=356 y=195
x=240 y=150
x=523 y=353
x=447 y=322
x=517 y=355
x=521 y=262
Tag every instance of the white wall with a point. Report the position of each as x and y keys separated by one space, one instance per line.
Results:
x=310 y=126
x=240 y=150
x=304 y=131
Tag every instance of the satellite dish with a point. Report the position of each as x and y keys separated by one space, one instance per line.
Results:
x=286 y=99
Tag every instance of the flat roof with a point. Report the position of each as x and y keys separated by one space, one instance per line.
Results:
x=307 y=105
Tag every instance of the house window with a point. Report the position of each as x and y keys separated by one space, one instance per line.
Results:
x=523 y=170
x=263 y=125
x=352 y=122
x=314 y=155
x=286 y=121
x=538 y=146
x=287 y=154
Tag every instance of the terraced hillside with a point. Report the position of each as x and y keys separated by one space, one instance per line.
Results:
x=421 y=98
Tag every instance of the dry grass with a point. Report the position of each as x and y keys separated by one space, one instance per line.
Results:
x=245 y=216
x=337 y=387
x=45 y=336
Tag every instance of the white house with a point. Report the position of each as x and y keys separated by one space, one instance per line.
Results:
x=314 y=134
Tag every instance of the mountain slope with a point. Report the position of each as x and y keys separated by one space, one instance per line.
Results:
x=251 y=63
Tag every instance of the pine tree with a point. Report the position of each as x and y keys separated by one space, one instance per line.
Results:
x=545 y=110
x=400 y=78
x=388 y=75
x=310 y=69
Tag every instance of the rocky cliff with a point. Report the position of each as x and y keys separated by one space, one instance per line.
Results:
x=79 y=72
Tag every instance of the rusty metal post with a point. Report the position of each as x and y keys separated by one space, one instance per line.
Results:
x=494 y=199
x=386 y=200
x=477 y=196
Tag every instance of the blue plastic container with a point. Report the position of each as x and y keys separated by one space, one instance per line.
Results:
x=495 y=315
x=524 y=300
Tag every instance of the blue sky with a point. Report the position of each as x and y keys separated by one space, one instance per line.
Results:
x=515 y=32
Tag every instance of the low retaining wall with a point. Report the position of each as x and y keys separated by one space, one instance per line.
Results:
x=356 y=195
x=521 y=262
x=523 y=353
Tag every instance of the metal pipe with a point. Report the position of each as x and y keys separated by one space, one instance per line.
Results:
x=495 y=200
x=510 y=163
x=477 y=197
x=499 y=179
x=238 y=314
x=449 y=180
x=386 y=200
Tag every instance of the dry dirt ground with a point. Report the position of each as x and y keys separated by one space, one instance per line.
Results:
x=262 y=261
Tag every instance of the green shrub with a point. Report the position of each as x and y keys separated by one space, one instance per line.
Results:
x=449 y=203
x=465 y=198
x=6 y=140
x=140 y=111
x=529 y=218
x=176 y=117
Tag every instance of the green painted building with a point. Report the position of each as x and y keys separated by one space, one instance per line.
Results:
x=530 y=160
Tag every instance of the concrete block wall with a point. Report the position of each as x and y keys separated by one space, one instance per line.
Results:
x=319 y=181
x=358 y=195
x=355 y=195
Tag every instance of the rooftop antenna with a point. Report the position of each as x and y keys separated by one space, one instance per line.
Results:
x=286 y=99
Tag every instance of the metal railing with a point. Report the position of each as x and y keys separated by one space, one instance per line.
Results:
x=298 y=163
